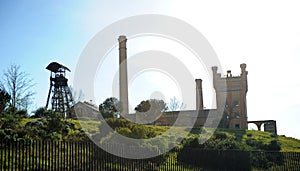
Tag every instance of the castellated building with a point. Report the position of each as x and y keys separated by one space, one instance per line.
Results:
x=231 y=103
x=230 y=96
x=233 y=89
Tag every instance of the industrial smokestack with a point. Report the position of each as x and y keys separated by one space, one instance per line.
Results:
x=123 y=74
x=199 y=95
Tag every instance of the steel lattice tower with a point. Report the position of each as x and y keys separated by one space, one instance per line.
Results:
x=61 y=99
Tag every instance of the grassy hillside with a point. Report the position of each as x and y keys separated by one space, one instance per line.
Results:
x=244 y=139
x=287 y=144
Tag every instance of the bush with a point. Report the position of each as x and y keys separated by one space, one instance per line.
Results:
x=273 y=146
x=53 y=127
x=124 y=131
x=39 y=113
x=220 y=135
x=255 y=144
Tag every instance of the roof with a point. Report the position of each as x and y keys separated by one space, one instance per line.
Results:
x=54 y=67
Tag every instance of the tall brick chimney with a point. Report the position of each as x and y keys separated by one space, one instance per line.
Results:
x=123 y=81
x=199 y=95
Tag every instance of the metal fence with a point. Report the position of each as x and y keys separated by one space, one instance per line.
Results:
x=60 y=155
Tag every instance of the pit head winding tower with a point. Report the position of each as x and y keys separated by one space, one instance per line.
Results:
x=61 y=100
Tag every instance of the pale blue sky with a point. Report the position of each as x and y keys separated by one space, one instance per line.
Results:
x=265 y=35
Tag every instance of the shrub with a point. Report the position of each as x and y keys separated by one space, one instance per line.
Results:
x=273 y=146
x=220 y=135
x=124 y=131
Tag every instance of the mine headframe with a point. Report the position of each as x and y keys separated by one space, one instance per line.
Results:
x=61 y=96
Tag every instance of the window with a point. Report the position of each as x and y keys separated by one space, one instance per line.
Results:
x=237 y=125
x=226 y=104
x=237 y=115
x=235 y=103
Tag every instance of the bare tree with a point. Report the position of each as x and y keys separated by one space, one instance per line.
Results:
x=175 y=105
x=77 y=95
x=18 y=85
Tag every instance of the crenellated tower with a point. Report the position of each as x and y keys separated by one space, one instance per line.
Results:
x=231 y=94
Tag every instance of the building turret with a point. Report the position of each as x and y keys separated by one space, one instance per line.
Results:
x=231 y=95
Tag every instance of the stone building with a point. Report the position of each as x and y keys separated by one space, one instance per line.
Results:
x=231 y=94
x=231 y=110
x=85 y=111
x=230 y=97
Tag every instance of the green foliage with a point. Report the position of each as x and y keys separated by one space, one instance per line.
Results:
x=4 y=100
x=136 y=131
x=110 y=107
x=130 y=129
x=152 y=106
x=148 y=111
x=273 y=146
x=115 y=123
x=139 y=132
x=124 y=131
x=10 y=128
x=219 y=140
x=15 y=112
x=144 y=106
x=289 y=144
x=90 y=127
x=39 y=113
x=220 y=135
x=223 y=144
x=266 y=160
x=53 y=127
x=254 y=143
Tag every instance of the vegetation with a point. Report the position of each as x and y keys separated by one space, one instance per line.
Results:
x=18 y=85
x=175 y=105
x=4 y=100
x=152 y=106
x=15 y=125
x=110 y=107
x=47 y=124
x=149 y=110
x=52 y=127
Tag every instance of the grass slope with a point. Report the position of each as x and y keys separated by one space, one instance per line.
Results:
x=287 y=144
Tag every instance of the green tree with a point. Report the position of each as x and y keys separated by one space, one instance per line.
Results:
x=18 y=85
x=4 y=100
x=110 y=107
x=39 y=113
x=10 y=124
x=51 y=126
x=15 y=112
x=144 y=106
x=151 y=106
x=147 y=112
